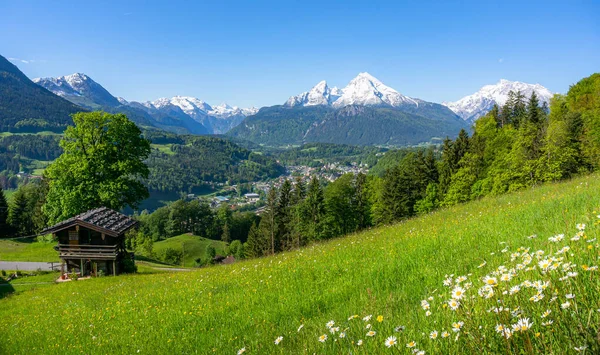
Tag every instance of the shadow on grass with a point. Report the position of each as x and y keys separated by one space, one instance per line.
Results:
x=150 y=260
x=5 y=288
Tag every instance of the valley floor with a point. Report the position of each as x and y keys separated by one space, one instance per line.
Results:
x=385 y=273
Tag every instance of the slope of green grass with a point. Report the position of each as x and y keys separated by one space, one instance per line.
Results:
x=27 y=283
x=193 y=247
x=383 y=272
x=14 y=250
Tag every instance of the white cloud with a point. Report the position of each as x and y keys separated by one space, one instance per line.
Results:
x=21 y=60
x=500 y=60
x=26 y=61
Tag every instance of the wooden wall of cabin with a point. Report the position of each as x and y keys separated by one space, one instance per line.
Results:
x=85 y=236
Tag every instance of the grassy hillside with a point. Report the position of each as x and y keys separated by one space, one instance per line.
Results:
x=384 y=272
x=13 y=250
x=193 y=246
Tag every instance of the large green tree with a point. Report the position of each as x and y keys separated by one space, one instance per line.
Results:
x=102 y=165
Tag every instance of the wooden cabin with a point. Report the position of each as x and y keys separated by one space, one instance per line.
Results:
x=93 y=242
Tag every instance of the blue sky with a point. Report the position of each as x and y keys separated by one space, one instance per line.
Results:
x=259 y=53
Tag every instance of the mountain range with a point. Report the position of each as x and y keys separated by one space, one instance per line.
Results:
x=365 y=112
x=471 y=107
x=180 y=114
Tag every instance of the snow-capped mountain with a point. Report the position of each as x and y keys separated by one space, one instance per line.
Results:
x=364 y=89
x=367 y=90
x=79 y=89
x=320 y=94
x=225 y=111
x=217 y=120
x=471 y=107
x=179 y=113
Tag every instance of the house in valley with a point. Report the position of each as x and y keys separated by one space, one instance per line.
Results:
x=93 y=242
x=252 y=197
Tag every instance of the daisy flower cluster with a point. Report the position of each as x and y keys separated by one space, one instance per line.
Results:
x=517 y=301
x=514 y=305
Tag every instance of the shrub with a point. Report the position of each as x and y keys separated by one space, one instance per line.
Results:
x=171 y=256
x=129 y=266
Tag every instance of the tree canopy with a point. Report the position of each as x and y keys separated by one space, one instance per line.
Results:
x=102 y=164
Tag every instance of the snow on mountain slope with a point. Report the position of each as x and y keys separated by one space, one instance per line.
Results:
x=191 y=106
x=364 y=90
x=79 y=89
x=478 y=104
x=320 y=94
x=218 y=119
x=225 y=111
x=367 y=90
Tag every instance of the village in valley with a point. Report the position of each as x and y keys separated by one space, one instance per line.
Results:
x=230 y=196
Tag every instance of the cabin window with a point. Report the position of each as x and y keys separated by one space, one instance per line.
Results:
x=73 y=235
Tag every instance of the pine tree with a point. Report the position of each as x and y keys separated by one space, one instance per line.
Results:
x=299 y=191
x=226 y=235
x=361 y=202
x=428 y=169
x=4 y=226
x=256 y=245
x=461 y=146
x=268 y=222
x=495 y=112
x=519 y=109
x=452 y=153
x=504 y=116
x=313 y=210
x=283 y=215
x=18 y=215
x=533 y=109
x=298 y=196
x=446 y=165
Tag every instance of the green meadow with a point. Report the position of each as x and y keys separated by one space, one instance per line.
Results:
x=503 y=258
x=191 y=246
x=23 y=250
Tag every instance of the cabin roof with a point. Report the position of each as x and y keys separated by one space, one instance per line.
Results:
x=101 y=219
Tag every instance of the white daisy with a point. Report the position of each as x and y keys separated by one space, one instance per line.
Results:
x=390 y=341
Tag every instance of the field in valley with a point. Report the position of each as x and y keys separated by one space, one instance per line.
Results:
x=380 y=287
x=191 y=246
x=27 y=250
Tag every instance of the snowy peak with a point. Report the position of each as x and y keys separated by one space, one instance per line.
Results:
x=197 y=108
x=189 y=105
x=79 y=89
x=367 y=90
x=364 y=90
x=225 y=111
x=478 y=104
x=320 y=94
x=177 y=111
